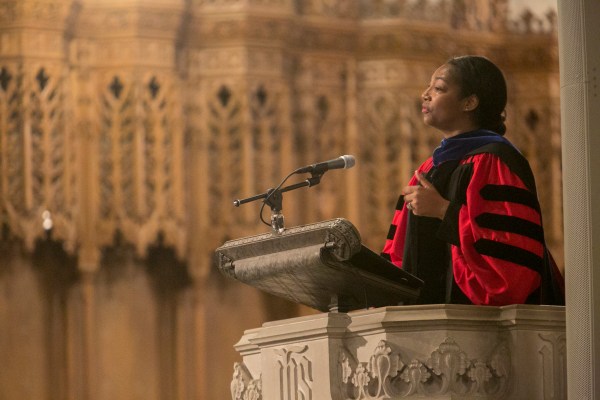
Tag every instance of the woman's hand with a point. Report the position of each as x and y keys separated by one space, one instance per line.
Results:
x=424 y=199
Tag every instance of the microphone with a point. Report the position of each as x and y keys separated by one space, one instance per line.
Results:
x=344 y=162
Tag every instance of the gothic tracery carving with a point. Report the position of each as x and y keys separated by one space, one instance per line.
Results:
x=37 y=154
x=142 y=77
x=141 y=158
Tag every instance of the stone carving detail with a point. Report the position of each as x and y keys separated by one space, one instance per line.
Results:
x=479 y=15
x=277 y=99
x=243 y=387
x=36 y=155
x=32 y=10
x=529 y=23
x=425 y=10
x=392 y=132
x=265 y=106
x=224 y=123
x=295 y=373
x=346 y=363
x=140 y=154
x=237 y=3
x=320 y=117
x=554 y=358
x=489 y=16
x=330 y=8
x=447 y=372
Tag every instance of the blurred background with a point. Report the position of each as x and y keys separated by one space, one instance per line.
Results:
x=127 y=129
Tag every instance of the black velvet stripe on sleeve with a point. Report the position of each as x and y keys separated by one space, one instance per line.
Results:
x=509 y=253
x=510 y=194
x=449 y=229
x=392 y=232
x=386 y=256
x=400 y=203
x=506 y=223
x=515 y=161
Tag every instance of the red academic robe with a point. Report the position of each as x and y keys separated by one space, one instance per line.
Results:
x=498 y=246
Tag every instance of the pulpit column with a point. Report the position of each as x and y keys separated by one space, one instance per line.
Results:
x=580 y=123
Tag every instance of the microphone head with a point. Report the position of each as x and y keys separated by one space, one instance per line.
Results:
x=349 y=161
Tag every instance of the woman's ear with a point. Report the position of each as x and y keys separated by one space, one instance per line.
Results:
x=471 y=102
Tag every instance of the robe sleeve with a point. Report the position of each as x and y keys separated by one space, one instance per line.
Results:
x=393 y=249
x=500 y=255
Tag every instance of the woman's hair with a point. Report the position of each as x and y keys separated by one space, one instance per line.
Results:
x=479 y=76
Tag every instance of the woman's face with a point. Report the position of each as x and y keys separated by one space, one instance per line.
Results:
x=443 y=108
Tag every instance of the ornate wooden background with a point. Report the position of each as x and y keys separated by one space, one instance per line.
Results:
x=128 y=127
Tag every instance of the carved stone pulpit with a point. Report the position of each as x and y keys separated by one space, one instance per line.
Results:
x=370 y=348
x=444 y=351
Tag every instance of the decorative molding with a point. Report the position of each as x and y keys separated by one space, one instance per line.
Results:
x=380 y=74
x=346 y=9
x=123 y=53
x=238 y=4
x=47 y=13
x=426 y=11
x=254 y=29
x=126 y=20
x=448 y=371
x=39 y=44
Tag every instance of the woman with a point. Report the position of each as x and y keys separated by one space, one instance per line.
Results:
x=468 y=223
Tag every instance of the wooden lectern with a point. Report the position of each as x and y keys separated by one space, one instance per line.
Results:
x=321 y=265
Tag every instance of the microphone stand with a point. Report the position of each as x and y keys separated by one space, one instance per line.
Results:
x=274 y=199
